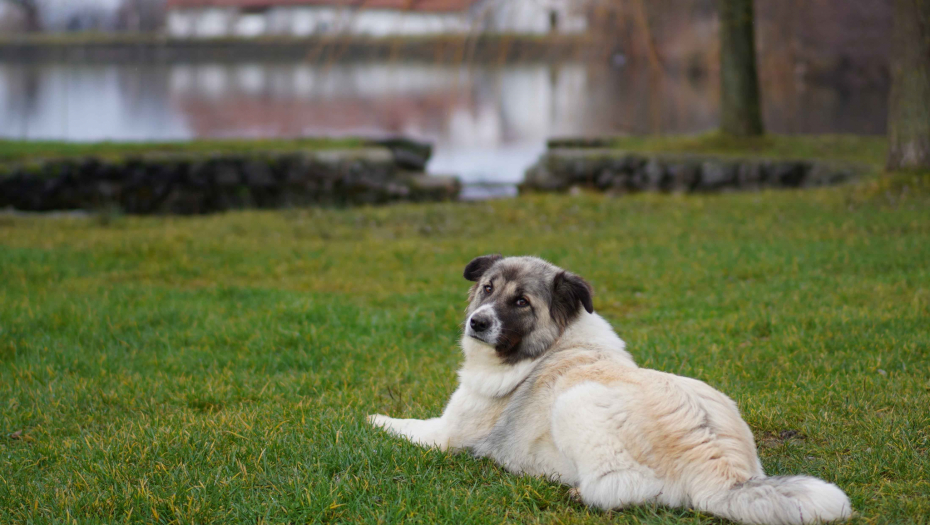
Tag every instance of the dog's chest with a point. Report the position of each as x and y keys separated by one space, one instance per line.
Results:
x=521 y=440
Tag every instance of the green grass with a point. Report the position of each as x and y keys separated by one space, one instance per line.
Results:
x=868 y=150
x=219 y=368
x=19 y=151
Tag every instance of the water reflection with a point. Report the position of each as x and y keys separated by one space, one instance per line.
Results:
x=488 y=123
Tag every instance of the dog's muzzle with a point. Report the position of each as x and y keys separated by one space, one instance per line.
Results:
x=483 y=325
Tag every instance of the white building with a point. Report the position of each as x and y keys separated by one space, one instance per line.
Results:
x=534 y=17
x=378 y=18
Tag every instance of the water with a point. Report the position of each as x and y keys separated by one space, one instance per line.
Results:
x=488 y=123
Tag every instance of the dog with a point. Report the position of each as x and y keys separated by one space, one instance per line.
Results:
x=548 y=389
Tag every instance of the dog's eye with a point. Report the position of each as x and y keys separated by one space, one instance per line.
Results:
x=488 y=288
x=521 y=301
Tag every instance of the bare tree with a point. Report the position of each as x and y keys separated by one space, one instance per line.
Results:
x=141 y=15
x=909 y=101
x=31 y=13
x=739 y=83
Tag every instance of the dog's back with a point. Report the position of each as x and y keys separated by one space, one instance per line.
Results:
x=589 y=384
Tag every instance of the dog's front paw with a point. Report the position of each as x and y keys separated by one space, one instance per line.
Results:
x=378 y=420
x=575 y=495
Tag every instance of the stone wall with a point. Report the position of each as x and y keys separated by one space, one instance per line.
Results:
x=193 y=183
x=618 y=171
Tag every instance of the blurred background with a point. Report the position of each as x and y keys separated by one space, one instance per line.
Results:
x=486 y=81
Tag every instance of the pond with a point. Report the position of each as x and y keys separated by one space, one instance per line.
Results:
x=488 y=122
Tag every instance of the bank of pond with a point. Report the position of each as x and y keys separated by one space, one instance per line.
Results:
x=207 y=177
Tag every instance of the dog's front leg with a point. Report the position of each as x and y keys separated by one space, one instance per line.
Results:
x=466 y=418
x=426 y=432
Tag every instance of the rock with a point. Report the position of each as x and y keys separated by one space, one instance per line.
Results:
x=194 y=183
x=634 y=162
x=89 y=169
x=263 y=187
x=620 y=172
x=826 y=174
x=258 y=174
x=839 y=176
x=683 y=176
x=107 y=191
x=296 y=170
x=609 y=179
x=199 y=176
x=408 y=154
x=434 y=187
x=716 y=175
x=21 y=190
x=654 y=175
x=750 y=176
x=225 y=173
x=367 y=156
x=582 y=171
x=542 y=176
x=786 y=173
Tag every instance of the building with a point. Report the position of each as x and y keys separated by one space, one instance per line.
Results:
x=377 y=18
x=535 y=17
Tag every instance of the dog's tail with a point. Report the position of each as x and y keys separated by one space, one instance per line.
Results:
x=781 y=500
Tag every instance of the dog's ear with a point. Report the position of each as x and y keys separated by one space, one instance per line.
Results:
x=569 y=294
x=479 y=265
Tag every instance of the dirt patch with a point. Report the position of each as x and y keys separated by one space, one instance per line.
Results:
x=777 y=439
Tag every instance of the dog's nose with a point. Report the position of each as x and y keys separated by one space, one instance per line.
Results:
x=479 y=324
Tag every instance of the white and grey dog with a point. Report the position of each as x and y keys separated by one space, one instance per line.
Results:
x=547 y=388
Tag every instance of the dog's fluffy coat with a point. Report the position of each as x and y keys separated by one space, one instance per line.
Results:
x=547 y=388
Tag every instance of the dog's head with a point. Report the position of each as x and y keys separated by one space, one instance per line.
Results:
x=521 y=305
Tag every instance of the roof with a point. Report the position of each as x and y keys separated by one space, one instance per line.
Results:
x=400 y=5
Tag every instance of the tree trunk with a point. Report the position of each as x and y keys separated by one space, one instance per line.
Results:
x=909 y=101
x=32 y=18
x=30 y=10
x=739 y=84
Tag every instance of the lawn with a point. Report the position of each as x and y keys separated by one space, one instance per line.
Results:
x=219 y=368
x=866 y=150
